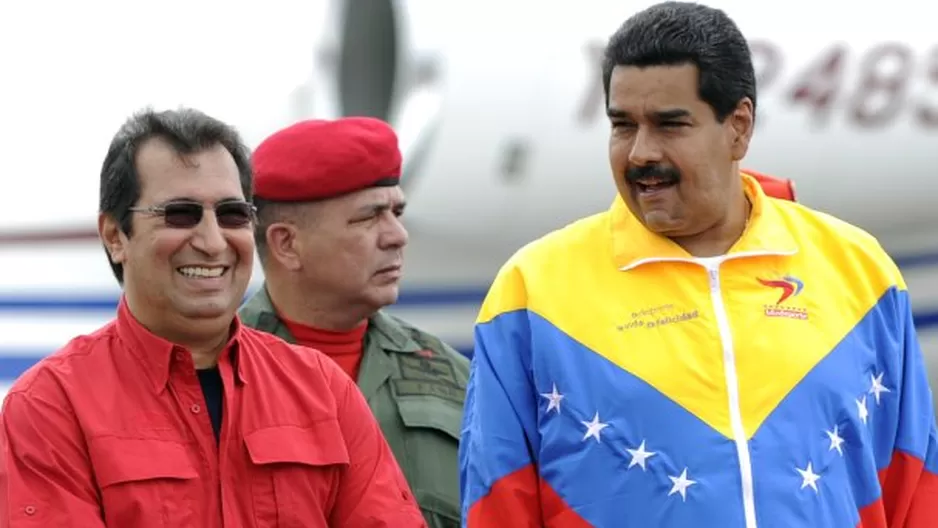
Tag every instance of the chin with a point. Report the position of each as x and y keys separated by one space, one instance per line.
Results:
x=661 y=222
x=661 y=228
x=207 y=308
x=384 y=296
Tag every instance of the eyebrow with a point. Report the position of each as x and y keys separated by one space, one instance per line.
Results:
x=378 y=207
x=187 y=199
x=661 y=115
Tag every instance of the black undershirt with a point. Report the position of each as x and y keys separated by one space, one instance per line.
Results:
x=212 y=389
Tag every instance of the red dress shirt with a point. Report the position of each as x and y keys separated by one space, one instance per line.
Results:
x=112 y=431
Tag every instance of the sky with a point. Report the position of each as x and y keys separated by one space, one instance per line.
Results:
x=73 y=71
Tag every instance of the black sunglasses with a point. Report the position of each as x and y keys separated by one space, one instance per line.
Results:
x=186 y=215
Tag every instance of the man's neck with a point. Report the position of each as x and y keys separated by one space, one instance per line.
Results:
x=721 y=237
x=205 y=347
x=315 y=311
x=205 y=344
x=205 y=354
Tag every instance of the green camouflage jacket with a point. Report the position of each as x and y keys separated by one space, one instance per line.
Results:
x=415 y=385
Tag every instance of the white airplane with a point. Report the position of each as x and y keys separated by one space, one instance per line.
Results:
x=500 y=112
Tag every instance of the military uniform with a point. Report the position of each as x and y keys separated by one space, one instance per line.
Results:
x=415 y=385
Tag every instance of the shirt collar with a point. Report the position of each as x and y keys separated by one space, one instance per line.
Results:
x=766 y=233
x=157 y=354
x=390 y=335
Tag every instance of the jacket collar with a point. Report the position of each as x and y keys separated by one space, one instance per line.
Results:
x=259 y=313
x=157 y=355
x=383 y=331
x=766 y=234
x=390 y=335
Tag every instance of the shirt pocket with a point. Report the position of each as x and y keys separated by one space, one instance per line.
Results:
x=296 y=473
x=145 y=483
x=431 y=467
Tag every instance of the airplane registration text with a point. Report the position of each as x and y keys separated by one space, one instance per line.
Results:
x=873 y=87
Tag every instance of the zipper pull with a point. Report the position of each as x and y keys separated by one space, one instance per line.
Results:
x=714 y=277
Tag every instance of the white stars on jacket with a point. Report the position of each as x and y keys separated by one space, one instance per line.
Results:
x=877 y=387
x=553 y=399
x=836 y=441
x=594 y=427
x=681 y=484
x=862 y=411
x=809 y=474
x=809 y=477
x=638 y=455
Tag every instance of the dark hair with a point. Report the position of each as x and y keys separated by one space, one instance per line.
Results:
x=674 y=33
x=188 y=131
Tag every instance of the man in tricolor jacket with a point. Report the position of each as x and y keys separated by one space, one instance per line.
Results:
x=701 y=354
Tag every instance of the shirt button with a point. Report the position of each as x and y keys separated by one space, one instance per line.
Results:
x=195 y=408
x=30 y=510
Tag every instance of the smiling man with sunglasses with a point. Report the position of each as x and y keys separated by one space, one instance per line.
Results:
x=174 y=413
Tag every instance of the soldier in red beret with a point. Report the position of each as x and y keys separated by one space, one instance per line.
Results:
x=331 y=244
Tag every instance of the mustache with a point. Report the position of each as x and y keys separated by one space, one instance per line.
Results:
x=666 y=174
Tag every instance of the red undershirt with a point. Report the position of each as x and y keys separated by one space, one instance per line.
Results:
x=345 y=348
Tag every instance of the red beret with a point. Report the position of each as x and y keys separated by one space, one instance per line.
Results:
x=781 y=188
x=317 y=159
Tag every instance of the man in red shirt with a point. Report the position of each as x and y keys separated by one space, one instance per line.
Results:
x=175 y=414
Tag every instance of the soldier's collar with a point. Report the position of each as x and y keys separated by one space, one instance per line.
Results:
x=256 y=304
x=394 y=337
x=259 y=312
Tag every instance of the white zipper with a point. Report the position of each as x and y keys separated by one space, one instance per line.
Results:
x=732 y=389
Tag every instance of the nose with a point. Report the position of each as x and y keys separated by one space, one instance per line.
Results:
x=395 y=235
x=208 y=237
x=645 y=149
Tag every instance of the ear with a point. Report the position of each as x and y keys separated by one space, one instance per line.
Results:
x=113 y=238
x=284 y=245
x=741 y=125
